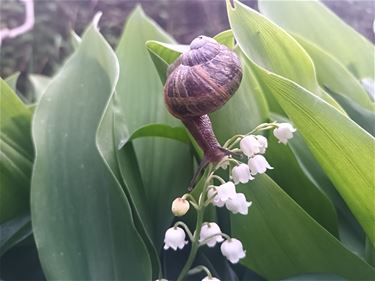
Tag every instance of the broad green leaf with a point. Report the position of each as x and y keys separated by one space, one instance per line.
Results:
x=161 y=130
x=343 y=149
x=272 y=48
x=14 y=231
x=164 y=54
x=16 y=154
x=165 y=164
x=124 y=165
x=299 y=187
x=226 y=38
x=350 y=232
x=362 y=116
x=332 y=74
x=12 y=80
x=281 y=240
x=88 y=232
x=315 y=277
x=315 y=22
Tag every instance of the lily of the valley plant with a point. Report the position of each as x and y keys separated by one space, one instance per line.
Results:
x=223 y=194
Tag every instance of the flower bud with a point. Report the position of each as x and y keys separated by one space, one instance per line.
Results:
x=180 y=206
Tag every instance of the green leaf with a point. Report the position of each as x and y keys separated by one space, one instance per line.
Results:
x=332 y=74
x=350 y=232
x=226 y=38
x=270 y=47
x=88 y=231
x=161 y=130
x=315 y=277
x=14 y=231
x=299 y=187
x=281 y=240
x=315 y=22
x=16 y=154
x=165 y=164
x=329 y=134
x=362 y=116
x=343 y=149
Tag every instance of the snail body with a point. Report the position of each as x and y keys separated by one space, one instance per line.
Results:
x=201 y=81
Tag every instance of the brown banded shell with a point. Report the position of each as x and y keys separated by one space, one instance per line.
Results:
x=202 y=79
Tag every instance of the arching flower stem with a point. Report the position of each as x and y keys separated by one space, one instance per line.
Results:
x=214 y=235
x=186 y=228
x=198 y=269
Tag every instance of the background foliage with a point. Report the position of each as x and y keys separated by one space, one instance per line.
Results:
x=109 y=159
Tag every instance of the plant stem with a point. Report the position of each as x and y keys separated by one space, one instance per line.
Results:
x=194 y=245
x=198 y=226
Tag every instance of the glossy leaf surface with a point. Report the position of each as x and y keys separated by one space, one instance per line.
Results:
x=315 y=22
x=281 y=240
x=88 y=231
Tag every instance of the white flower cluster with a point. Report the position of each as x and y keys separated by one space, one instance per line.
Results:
x=225 y=194
x=253 y=146
x=210 y=234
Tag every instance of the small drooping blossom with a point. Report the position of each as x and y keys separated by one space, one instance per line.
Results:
x=209 y=229
x=174 y=238
x=250 y=146
x=232 y=249
x=224 y=163
x=238 y=204
x=208 y=278
x=263 y=144
x=283 y=132
x=216 y=201
x=241 y=174
x=220 y=194
x=225 y=191
x=180 y=206
x=258 y=165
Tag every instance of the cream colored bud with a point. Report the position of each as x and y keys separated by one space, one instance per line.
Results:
x=180 y=207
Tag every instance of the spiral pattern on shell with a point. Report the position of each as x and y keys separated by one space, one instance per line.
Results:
x=202 y=79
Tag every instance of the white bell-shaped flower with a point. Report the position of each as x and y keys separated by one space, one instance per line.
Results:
x=238 y=204
x=250 y=146
x=224 y=163
x=208 y=278
x=263 y=144
x=232 y=249
x=283 y=132
x=174 y=238
x=241 y=174
x=258 y=165
x=208 y=232
x=226 y=191
x=216 y=201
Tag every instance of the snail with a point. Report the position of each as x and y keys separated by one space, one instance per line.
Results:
x=199 y=82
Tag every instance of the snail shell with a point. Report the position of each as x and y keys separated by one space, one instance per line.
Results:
x=202 y=79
